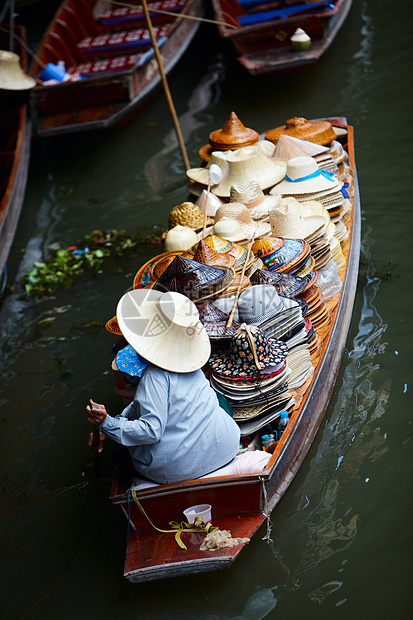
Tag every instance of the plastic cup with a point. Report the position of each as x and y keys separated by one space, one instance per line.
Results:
x=201 y=510
x=52 y=72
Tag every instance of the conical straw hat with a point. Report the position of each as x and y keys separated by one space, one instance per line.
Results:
x=232 y=136
x=12 y=76
x=207 y=256
x=164 y=328
x=288 y=147
x=320 y=132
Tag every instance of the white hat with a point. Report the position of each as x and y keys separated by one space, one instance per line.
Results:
x=241 y=214
x=303 y=176
x=230 y=229
x=287 y=221
x=12 y=76
x=260 y=303
x=245 y=164
x=164 y=328
x=251 y=195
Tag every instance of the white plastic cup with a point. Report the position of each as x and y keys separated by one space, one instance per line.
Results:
x=201 y=510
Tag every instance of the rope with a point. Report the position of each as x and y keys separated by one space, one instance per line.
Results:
x=252 y=345
x=267 y=537
x=198 y=526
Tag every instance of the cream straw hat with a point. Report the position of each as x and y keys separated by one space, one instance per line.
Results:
x=230 y=229
x=240 y=213
x=251 y=195
x=250 y=163
x=12 y=76
x=164 y=328
x=286 y=221
x=303 y=176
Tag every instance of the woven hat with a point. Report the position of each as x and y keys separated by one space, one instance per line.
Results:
x=241 y=214
x=320 y=132
x=186 y=214
x=251 y=195
x=164 y=328
x=248 y=354
x=261 y=303
x=337 y=152
x=303 y=176
x=285 y=256
x=218 y=244
x=288 y=147
x=232 y=136
x=230 y=229
x=112 y=326
x=245 y=164
x=287 y=221
x=285 y=284
x=186 y=276
x=12 y=76
x=207 y=256
x=215 y=321
x=179 y=238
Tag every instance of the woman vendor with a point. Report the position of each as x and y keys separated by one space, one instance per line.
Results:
x=174 y=429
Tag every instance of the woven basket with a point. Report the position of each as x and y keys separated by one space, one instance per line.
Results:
x=320 y=132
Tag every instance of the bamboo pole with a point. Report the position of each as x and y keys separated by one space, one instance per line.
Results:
x=234 y=305
x=166 y=87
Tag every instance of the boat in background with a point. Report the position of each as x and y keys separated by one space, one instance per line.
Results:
x=110 y=67
x=15 y=138
x=242 y=503
x=260 y=31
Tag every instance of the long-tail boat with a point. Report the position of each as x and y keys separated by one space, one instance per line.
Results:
x=15 y=142
x=261 y=31
x=110 y=67
x=243 y=503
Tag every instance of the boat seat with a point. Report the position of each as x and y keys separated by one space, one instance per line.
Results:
x=121 y=41
x=128 y=16
x=111 y=65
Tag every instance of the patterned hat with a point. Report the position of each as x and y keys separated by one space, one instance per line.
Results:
x=248 y=354
x=285 y=284
x=207 y=256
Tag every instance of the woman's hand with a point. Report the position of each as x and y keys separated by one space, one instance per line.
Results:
x=95 y=413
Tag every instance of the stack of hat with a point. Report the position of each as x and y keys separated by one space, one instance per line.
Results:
x=288 y=220
x=195 y=280
x=252 y=374
x=286 y=285
x=288 y=147
x=247 y=226
x=225 y=246
x=250 y=163
x=251 y=195
x=318 y=312
x=305 y=181
x=285 y=255
x=232 y=136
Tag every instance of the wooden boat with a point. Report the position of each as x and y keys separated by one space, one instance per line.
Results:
x=15 y=142
x=241 y=503
x=260 y=31
x=112 y=54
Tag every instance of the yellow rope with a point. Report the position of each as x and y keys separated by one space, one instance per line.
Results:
x=198 y=526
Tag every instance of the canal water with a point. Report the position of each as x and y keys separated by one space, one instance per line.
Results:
x=341 y=536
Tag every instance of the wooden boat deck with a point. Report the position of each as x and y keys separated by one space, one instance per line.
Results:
x=241 y=503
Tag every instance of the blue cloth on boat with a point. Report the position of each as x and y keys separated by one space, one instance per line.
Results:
x=131 y=364
x=174 y=429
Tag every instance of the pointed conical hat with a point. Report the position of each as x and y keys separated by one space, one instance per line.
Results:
x=184 y=273
x=207 y=256
x=288 y=147
x=233 y=135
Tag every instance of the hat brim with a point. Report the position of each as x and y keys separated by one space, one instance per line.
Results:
x=221 y=363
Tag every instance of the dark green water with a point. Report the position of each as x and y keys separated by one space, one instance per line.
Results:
x=342 y=536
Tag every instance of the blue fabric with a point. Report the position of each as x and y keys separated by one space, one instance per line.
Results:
x=344 y=190
x=328 y=175
x=175 y=429
x=130 y=362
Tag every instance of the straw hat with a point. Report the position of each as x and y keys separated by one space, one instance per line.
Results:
x=207 y=256
x=230 y=229
x=249 y=353
x=303 y=176
x=186 y=276
x=208 y=203
x=288 y=147
x=287 y=221
x=164 y=328
x=245 y=164
x=320 y=132
x=112 y=326
x=179 y=238
x=186 y=214
x=12 y=76
x=240 y=213
x=232 y=136
x=215 y=321
x=251 y=195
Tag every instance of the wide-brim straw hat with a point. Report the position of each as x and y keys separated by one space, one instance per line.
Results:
x=303 y=176
x=245 y=164
x=241 y=214
x=286 y=221
x=12 y=76
x=233 y=135
x=230 y=229
x=164 y=328
x=320 y=132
